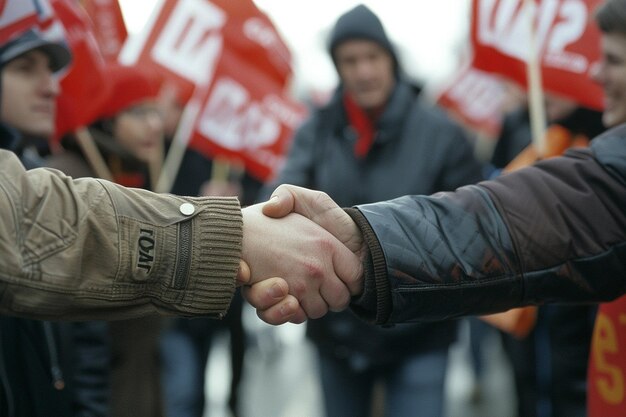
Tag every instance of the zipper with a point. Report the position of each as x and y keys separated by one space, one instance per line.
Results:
x=184 y=255
x=55 y=369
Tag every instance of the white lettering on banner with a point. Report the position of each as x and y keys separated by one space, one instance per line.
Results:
x=565 y=34
x=285 y=113
x=479 y=95
x=232 y=120
x=191 y=42
x=107 y=24
x=505 y=26
x=260 y=32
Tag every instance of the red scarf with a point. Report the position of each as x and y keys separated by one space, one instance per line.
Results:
x=362 y=123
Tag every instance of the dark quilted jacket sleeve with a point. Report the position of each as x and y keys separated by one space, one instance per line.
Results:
x=553 y=232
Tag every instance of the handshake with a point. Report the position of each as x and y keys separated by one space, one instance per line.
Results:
x=302 y=256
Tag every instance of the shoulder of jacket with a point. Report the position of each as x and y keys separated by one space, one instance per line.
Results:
x=610 y=150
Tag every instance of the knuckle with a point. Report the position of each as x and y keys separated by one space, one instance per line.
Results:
x=314 y=269
x=314 y=309
x=340 y=300
x=298 y=289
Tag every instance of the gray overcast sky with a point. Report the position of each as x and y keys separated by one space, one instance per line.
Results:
x=429 y=34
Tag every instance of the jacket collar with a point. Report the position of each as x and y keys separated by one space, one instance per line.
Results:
x=389 y=124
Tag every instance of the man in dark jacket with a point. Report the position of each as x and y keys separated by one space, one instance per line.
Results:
x=552 y=232
x=377 y=140
x=46 y=368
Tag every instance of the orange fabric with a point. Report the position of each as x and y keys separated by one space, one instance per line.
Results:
x=519 y=322
x=606 y=378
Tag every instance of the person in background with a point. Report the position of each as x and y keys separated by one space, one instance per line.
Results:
x=47 y=368
x=129 y=135
x=550 y=363
x=376 y=139
x=186 y=344
x=552 y=232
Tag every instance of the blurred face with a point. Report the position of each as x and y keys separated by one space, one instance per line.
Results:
x=366 y=70
x=611 y=75
x=172 y=112
x=139 y=129
x=29 y=91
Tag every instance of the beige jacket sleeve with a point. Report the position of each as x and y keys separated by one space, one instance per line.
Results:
x=90 y=249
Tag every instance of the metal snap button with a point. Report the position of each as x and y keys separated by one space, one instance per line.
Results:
x=187 y=209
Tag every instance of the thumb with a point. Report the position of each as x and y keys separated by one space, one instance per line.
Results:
x=243 y=273
x=280 y=204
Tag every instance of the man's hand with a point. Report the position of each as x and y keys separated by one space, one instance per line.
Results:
x=271 y=298
x=273 y=303
x=320 y=271
x=320 y=208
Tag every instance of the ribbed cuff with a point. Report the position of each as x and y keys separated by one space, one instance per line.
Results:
x=216 y=252
x=374 y=304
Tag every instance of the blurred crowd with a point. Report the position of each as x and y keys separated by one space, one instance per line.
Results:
x=378 y=136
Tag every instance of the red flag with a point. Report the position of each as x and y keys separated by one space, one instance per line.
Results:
x=246 y=117
x=186 y=37
x=84 y=87
x=477 y=98
x=251 y=34
x=224 y=47
x=182 y=40
x=108 y=25
x=566 y=35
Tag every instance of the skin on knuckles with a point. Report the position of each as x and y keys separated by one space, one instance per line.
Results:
x=293 y=248
x=320 y=208
x=336 y=294
x=287 y=310
x=271 y=307
x=314 y=307
x=266 y=293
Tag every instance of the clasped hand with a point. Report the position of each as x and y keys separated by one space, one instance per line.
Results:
x=302 y=256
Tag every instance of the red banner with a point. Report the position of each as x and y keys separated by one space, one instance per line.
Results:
x=246 y=117
x=108 y=25
x=606 y=386
x=84 y=87
x=566 y=36
x=224 y=46
x=477 y=98
x=252 y=36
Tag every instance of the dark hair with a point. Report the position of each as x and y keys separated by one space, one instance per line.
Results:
x=611 y=16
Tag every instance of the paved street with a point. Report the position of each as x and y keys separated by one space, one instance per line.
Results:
x=280 y=378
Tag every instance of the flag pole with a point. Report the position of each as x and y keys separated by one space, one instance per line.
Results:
x=93 y=155
x=178 y=146
x=535 y=91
